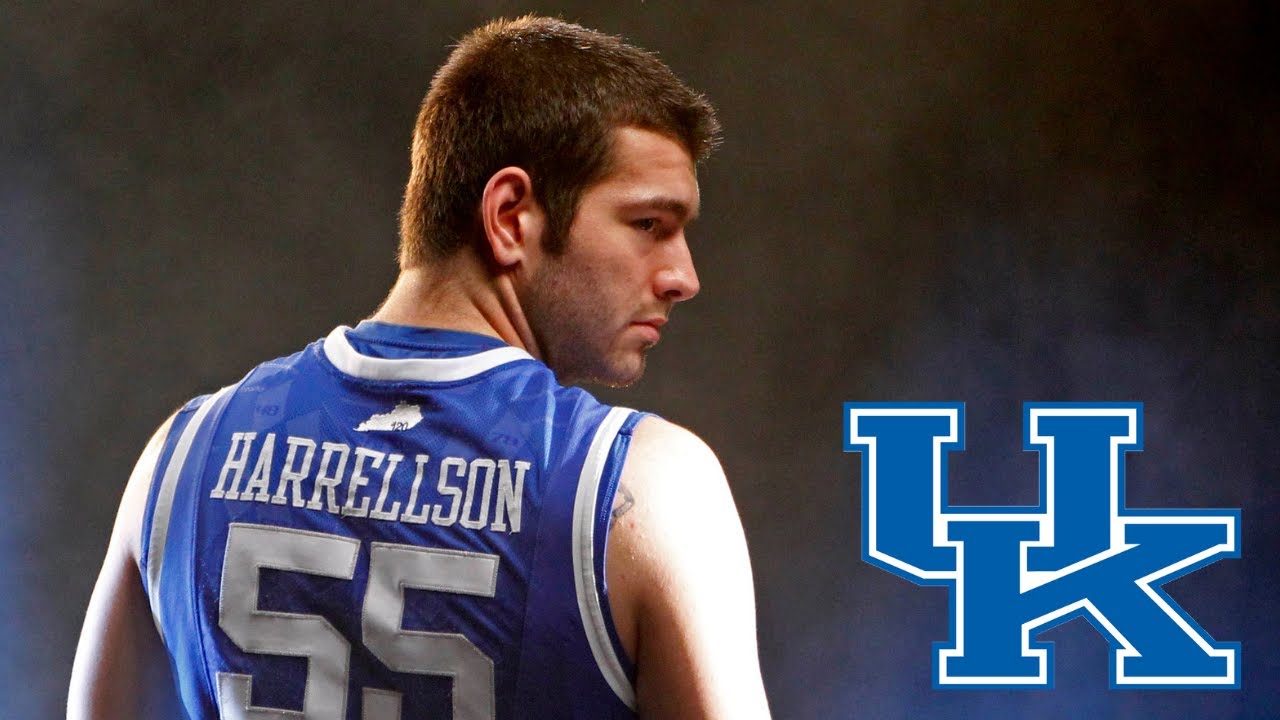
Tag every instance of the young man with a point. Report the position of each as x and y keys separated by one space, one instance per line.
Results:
x=414 y=518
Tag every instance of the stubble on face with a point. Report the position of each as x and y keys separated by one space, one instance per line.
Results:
x=595 y=307
x=570 y=317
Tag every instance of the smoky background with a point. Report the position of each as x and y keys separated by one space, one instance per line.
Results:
x=990 y=203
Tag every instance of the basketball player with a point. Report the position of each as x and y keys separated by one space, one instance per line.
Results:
x=415 y=517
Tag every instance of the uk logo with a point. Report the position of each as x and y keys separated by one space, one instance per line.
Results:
x=1014 y=572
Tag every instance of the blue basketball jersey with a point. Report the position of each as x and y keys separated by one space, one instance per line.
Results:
x=393 y=523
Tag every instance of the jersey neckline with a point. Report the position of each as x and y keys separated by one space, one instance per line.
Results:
x=418 y=354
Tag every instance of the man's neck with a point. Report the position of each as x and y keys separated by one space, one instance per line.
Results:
x=459 y=293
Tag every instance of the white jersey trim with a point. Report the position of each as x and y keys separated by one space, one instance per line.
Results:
x=164 y=504
x=345 y=357
x=584 y=569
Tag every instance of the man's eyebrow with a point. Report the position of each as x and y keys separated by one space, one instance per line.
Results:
x=676 y=207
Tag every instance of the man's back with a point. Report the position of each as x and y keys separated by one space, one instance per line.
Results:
x=392 y=518
x=407 y=521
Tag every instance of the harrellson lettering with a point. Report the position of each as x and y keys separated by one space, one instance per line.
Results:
x=477 y=493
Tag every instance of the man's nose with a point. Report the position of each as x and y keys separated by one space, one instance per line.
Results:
x=677 y=279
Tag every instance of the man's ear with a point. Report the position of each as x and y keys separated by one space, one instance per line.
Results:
x=513 y=220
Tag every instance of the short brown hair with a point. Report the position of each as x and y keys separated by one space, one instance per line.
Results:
x=543 y=95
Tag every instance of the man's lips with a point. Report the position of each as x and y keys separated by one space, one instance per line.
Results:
x=651 y=327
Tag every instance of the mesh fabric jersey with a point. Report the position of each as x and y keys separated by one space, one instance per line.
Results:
x=393 y=522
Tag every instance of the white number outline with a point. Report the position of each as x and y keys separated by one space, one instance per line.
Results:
x=393 y=568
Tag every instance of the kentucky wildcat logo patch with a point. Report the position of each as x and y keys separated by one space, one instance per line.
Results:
x=1015 y=572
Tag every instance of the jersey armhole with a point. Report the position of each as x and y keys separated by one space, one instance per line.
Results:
x=610 y=479
x=160 y=498
x=596 y=487
x=180 y=420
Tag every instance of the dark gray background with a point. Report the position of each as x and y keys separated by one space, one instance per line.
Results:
x=990 y=203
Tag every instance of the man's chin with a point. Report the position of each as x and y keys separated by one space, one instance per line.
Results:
x=620 y=374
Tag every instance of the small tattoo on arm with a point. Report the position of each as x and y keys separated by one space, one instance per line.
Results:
x=622 y=502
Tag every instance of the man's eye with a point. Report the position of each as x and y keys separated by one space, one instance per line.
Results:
x=646 y=224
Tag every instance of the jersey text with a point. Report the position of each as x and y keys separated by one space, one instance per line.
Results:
x=476 y=493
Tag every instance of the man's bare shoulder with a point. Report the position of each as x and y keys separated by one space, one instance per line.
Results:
x=680 y=580
x=672 y=489
x=677 y=493
x=663 y=453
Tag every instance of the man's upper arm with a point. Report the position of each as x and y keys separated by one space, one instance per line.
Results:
x=120 y=656
x=680 y=581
